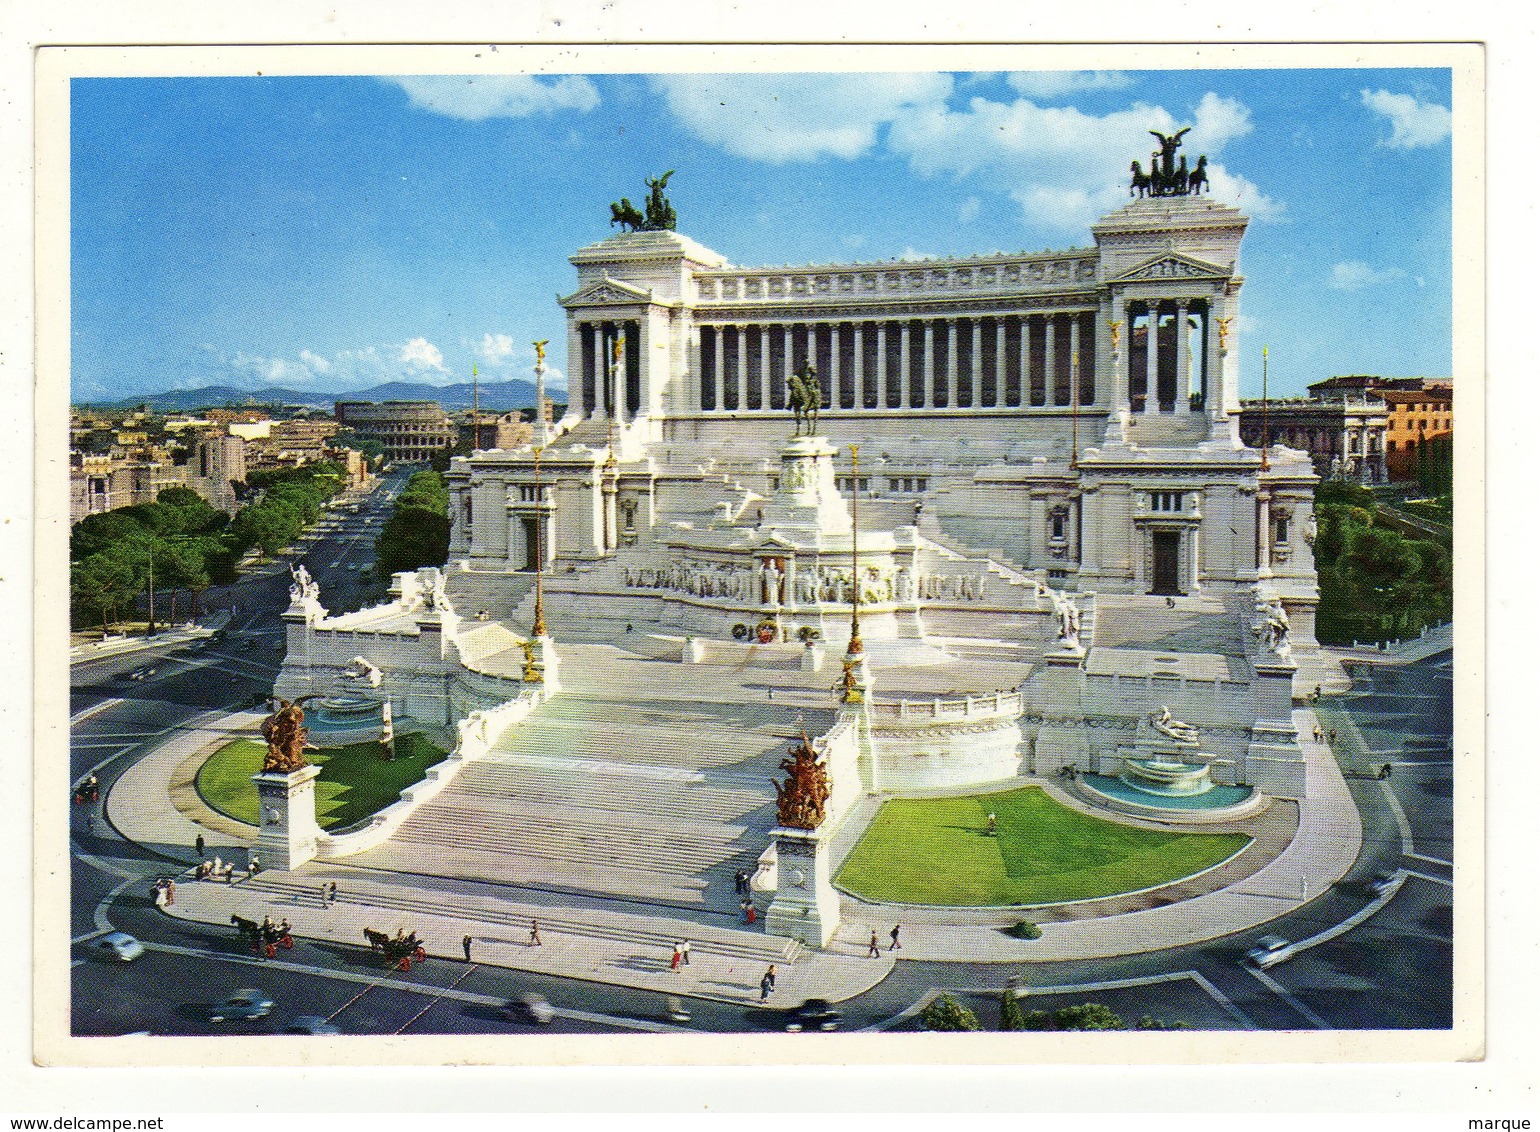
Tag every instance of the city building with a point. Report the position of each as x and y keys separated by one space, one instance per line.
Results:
x=498 y=430
x=411 y=431
x=1416 y=417
x=1344 y=431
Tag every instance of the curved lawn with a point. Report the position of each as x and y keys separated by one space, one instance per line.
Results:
x=354 y=783
x=937 y=851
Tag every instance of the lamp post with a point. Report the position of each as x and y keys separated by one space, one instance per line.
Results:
x=1264 y=408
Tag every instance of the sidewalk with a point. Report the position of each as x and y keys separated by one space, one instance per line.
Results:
x=118 y=646
x=594 y=943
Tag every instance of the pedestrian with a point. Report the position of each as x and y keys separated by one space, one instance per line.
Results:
x=160 y=894
x=323 y=896
x=684 y=953
x=1331 y=737
x=771 y=693
x=740 y=882
x=255 y=866
x=893 y=935
x=534 y=934
x=767 y=984
x=989 y=825
x=198 y=846
x=673 y=964
x=466 y=944
x=170 y=892
x=753 y=913
x=872 y=950
x=331 y=894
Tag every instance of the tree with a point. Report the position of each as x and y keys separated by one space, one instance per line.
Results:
x=945 y=1013
x=1010 y=1011
x=178 y=566
x=104 y=582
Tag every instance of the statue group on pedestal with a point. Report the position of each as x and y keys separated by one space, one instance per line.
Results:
x=285 y=733
x=659 y=216
x=800 y=800
x=1167 y=176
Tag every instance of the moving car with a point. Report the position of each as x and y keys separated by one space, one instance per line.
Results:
x=1382 y=882
x=119 y=946
x=814 y=1014
x=1269 y=951
x=243 y=1005
x=529 y=1007
x=312 y=1024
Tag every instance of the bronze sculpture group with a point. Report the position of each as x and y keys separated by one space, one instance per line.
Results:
x=285 y=733
x=800 y=800
x=1169 y=177
x=659 y=216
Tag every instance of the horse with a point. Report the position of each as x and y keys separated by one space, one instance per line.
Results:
x=626 y=215
x=247 y=928
x=377 y=940
x=1140 y=180
x=806 y=397
x=1197 y=180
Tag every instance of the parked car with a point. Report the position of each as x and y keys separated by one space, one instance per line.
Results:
x=119 y=946
x=1269 y=951
x=814 y=1014
x=529 y=1007
x=243 y=1005
x=312 y=1024
x=1382 y=882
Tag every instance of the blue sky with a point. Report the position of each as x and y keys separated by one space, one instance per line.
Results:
x=336 y=232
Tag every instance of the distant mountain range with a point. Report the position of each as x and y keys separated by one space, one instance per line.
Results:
x=495 y=396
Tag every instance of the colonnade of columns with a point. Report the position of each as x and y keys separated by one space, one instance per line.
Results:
x=607 y=386
x=1165 y=371
x=949 y=363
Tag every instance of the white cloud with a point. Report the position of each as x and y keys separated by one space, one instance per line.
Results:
x=1355 y=275
x=911 y=255
x=495 y=349
x=478 y=97
x=968 y=211
x=420 y=354
x=1413 y=123
x=1051 y=84
x=1063 y=166
x=781 y=118
x=314 y=362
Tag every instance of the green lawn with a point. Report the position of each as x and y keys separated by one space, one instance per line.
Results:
x=936 y=851
x=354 y=783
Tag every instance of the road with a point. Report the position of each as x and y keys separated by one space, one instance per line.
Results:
x=1392 y=970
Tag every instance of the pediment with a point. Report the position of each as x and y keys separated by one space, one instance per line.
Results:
x=608 y=292
x=776 y=539
x=1174 y=265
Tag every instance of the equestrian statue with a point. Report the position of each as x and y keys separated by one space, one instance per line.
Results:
x=806 y=398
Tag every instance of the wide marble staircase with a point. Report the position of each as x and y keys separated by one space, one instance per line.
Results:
x=661 y=798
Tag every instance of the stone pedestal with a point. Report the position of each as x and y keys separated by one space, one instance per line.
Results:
x=547 y=664
x=806 y=907
x=287 y=835
x=1274 y=761
x=1058 y=693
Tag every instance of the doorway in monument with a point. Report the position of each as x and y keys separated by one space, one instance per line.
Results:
x=1166 y=547
x=529 y=541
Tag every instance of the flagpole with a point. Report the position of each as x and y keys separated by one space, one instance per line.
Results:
x=1264 y=409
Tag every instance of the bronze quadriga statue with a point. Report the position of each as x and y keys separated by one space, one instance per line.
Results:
x=800 y=800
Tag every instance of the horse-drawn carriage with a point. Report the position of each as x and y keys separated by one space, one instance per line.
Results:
x=265 y=938
x=399 y=950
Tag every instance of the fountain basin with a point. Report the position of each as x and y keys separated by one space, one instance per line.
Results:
x=1167 y=778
